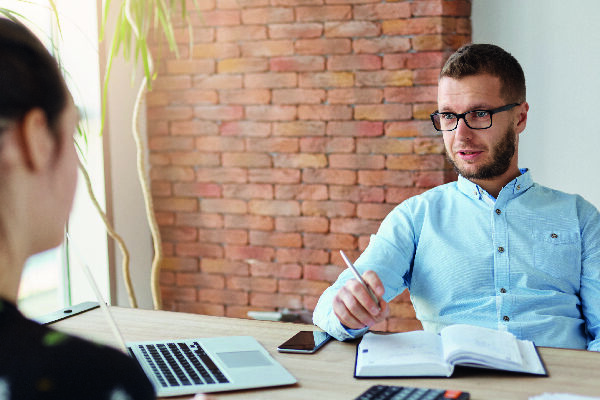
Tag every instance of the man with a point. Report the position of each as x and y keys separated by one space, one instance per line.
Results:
x=494 y=248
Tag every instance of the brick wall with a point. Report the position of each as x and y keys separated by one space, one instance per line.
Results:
x=288 y=133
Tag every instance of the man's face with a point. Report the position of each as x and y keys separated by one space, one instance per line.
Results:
x=479 y=154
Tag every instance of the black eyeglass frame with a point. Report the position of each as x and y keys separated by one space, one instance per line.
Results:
x=463 y=115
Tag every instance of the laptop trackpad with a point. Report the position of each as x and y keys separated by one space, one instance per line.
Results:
x=240 y=359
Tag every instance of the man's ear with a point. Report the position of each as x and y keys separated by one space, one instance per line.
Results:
x=38 y=143
x=522 y=117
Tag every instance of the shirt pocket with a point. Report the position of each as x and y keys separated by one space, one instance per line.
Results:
x=558 y=253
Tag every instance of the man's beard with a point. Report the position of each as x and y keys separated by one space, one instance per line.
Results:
x=503 y=152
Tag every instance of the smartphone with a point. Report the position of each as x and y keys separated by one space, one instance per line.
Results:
x=304 y=342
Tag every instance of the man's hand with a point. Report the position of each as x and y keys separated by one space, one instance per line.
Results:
x=354 y=307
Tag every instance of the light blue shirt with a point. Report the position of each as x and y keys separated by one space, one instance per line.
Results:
x=527 y=262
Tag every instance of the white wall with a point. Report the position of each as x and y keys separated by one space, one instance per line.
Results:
x=557 y=43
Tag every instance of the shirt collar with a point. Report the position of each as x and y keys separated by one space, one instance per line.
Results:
x=512 y=189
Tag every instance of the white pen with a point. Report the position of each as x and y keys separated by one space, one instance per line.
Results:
x=360 y=279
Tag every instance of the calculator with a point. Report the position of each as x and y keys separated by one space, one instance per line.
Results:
x=388 y=392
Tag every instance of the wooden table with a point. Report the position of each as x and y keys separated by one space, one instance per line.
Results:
x=328 y=374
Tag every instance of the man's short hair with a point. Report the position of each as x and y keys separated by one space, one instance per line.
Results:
x=475 y=59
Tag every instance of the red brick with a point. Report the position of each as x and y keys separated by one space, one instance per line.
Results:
x=409 y=129
x=277 y=270
x=301 y=192
x=172 y=83
x=300 y=128
x=175 y=204
x=223 y=296
x=328 y=273
x=384 y=145
x=229 y=236
x=172 y=294
x=329 y=176
x=196 y=189
x=385 y=78
x=248 y=191
x=354 y=62
x=329 y=241
x=326 y=79
x=374 y=211
x=303 y=287
x=282 y=300
x=267 y=15
x=426 y=76
x=256 y=222
x=222 y=266
x=302 y=224
x=192 y=97
x=429 y=145
x=357 y=194
x=219 y=144
x=300 y=161
x=314 y=256
x=267 y=48
x=324 y=13
x=215 y=51
x=297 y=63
x=351 y=29
x=325 y=112
x=222 y=175
x=225 y=206
x=353 y=226
x=328 y=209
x=382 y=112
x=271 y=113
x=198 y=250
x=190 y=67
x=219 y=81
x=274 y=207
x=252 y=284
x=245 y=128
x=415 y=162
x=200 y=280
x=274 y=175
x=354 y=96
x=199 y=220
x=241 y=33
x=194 y=127
x=169 y=113
x=221 y=17
x=398 y=195
x=419 y=26
x=295 y=30
x=423 y=111
x=428 y=59
x=219 y=112
x=382 y=11
x=355 y=128
x=411 y=94
x=271 y=80
x=166 y=278
x=179 y=264
x=276 y=144
x=429 y=179
x=327 y=145
x=170 y=143
x=161 y=188
x=275 y=239
x=247 y=160
x=390 y=44
x=403 y=325
x=323 y=46
x=298 y=96
x=249 y=253
x=193 y=159
x=171 y=173
x=385 y=178
x=356 y=161
x=242 y=65
x=441 y=7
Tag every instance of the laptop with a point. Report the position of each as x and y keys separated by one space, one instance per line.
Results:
x=203 y=365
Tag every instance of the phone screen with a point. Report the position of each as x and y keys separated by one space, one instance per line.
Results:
x=305 y=342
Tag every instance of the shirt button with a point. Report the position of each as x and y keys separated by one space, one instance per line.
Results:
x=554 y=236
x=498 y=211
x=518 y=187
x=505 y=318
x=502 y=290
x=500 y=249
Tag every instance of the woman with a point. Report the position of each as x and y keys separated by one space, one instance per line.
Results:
x=38 y=173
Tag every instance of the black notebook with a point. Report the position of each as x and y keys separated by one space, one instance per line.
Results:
x=420 y=353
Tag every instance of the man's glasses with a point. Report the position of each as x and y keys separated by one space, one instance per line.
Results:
x=476 y=119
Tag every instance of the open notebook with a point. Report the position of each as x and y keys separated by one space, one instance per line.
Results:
x=180 y=367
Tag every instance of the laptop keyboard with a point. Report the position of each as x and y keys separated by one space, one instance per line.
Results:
x=177 y=364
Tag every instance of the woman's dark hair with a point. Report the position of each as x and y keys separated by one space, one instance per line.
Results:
x=474 y=59
x=29 y=76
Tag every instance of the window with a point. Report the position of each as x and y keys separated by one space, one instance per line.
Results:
x=53 y=279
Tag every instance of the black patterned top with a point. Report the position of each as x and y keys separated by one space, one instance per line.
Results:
x=37 y=362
